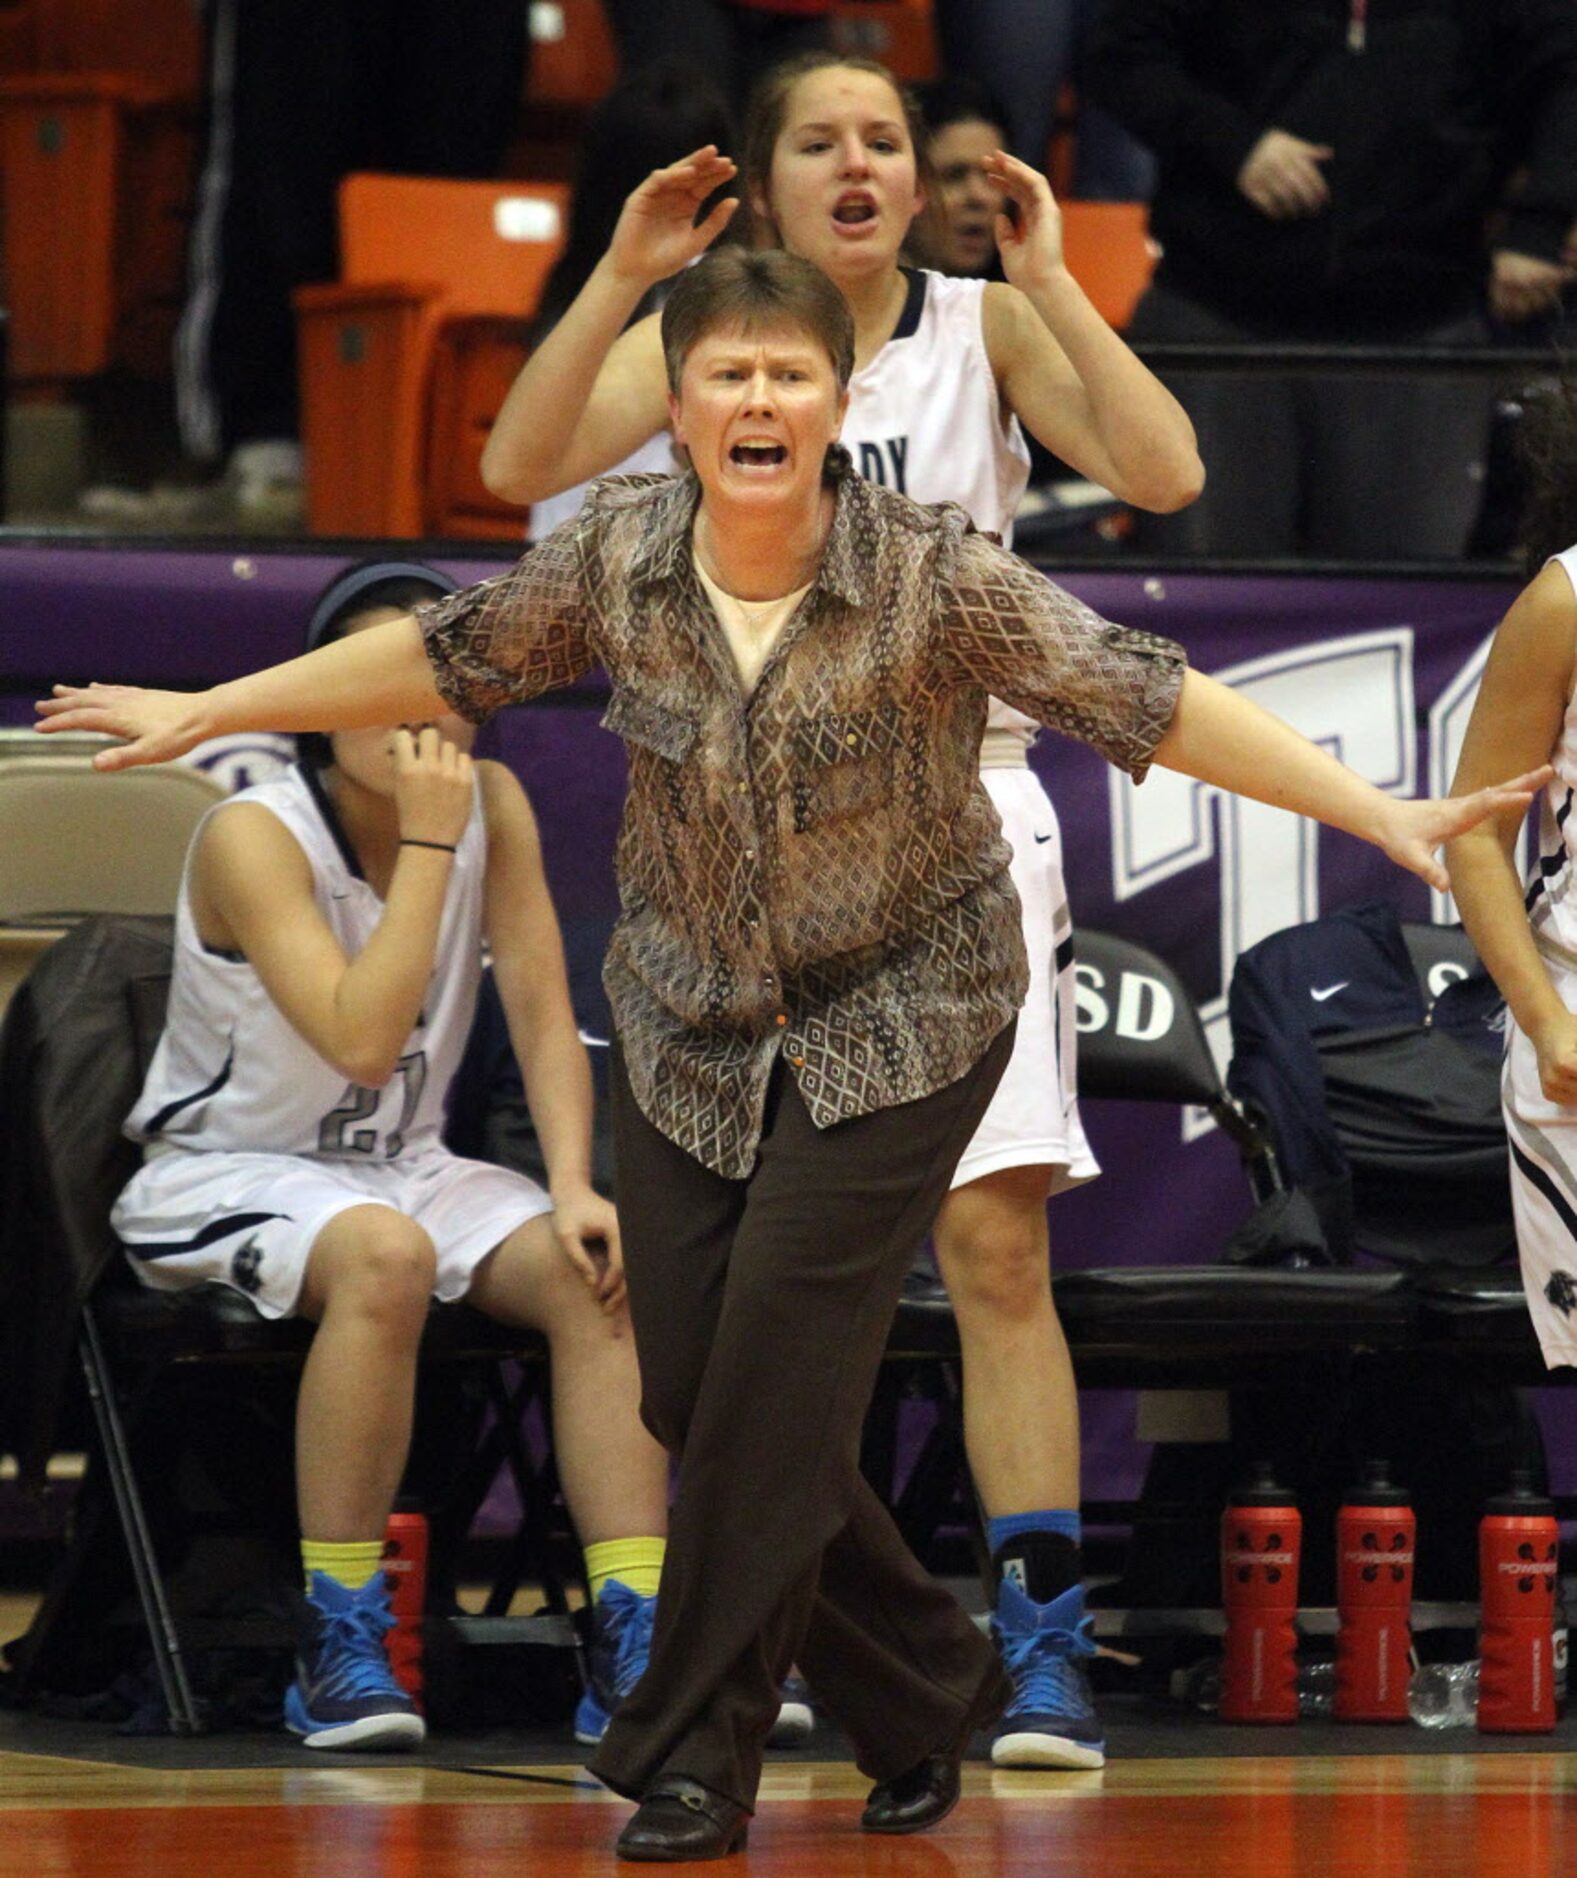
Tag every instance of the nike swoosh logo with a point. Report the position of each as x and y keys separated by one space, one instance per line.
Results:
x=1041 y=838
x=1330 y=991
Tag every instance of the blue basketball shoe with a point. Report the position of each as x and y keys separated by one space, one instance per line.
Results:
x=345 y=1695
x=1051 y=1721
x=621 y=1641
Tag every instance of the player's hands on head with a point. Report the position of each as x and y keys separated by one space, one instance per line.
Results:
x=155 y=725
x=1412 y=831
x=1028 y=227
x=588 y=1234
x=434 y=782
x=657 y=234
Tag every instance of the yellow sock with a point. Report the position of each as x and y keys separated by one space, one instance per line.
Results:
x=352 y=1565
x=637 y=1563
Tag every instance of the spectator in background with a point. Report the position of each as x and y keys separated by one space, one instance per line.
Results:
x=655 y=115
x=1326 y=172
x=1024 y=52
x=967 y=125
x=299 y=93
x=733 y=41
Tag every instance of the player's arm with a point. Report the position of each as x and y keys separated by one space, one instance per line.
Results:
x=252 y=892
x=380 y=676
x=1517 y=718
x=1067 y=375
x=533 y=986
x=587 y=397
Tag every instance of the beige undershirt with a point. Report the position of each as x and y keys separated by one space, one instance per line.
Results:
x=751 y=627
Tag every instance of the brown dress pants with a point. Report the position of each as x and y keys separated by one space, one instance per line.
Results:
x=761 y=1308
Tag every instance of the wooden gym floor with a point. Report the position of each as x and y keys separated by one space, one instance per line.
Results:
x=1376 y=1814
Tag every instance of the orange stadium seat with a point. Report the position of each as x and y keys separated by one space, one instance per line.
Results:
x=414 y=252
x=158 y=40
x=475 y=361
x=18 y=38
x=1110 y=254
x=900 y=33
x=573 y=57
x=98 y=134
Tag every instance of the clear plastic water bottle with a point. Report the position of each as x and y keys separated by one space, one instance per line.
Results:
x=1444 y=1695
x=1199 y=1686
x=1317 y=1688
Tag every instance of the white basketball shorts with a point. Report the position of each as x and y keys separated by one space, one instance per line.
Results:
x=249 y=1220
x=1033 y=1119
x=1542 y=1138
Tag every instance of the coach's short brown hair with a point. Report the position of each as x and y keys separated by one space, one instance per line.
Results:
x=751 y=291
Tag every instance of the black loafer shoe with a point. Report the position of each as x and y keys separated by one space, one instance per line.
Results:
x=680 y=1819
x=928 y=1791
x=916 y=1799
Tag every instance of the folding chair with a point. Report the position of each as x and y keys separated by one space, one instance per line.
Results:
x=76 y=841
x=1154 y=1326
x=74 y=1048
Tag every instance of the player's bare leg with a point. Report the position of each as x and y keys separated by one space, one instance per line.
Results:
x=1021 y=1432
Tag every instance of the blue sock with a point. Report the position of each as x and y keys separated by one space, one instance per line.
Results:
x=1038 y=1551
x=1011 y=1525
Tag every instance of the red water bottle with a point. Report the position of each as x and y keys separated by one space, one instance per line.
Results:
x=1261 y=1538
x=405 y=1575
x=1375 y=1538
x=1518 y=1546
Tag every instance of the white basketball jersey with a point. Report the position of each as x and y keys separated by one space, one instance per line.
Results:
x=926 y=417
x=655 y=457
x=231 y=1073
x=1552 y=898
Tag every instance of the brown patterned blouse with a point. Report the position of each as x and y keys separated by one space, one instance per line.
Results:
x=813 y=869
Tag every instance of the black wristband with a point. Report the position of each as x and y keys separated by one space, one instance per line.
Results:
x=443 y=847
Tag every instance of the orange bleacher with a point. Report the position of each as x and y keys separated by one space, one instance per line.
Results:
x=98 y=104
x=417 y=254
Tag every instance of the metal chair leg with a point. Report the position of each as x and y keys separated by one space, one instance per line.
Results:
x=179 y=1702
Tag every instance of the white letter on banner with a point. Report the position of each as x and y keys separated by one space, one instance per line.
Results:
x=1092 y=1012
x=1353 y=695
x=1144 y=1008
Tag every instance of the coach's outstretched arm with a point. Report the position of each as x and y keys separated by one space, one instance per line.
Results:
x=380 y=676
x=1221 y=737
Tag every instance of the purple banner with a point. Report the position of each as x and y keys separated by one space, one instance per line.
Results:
x=1381 y=671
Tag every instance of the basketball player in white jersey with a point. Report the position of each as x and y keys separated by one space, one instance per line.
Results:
x=328 y=949
x=1527 y=938
x=836 y=170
